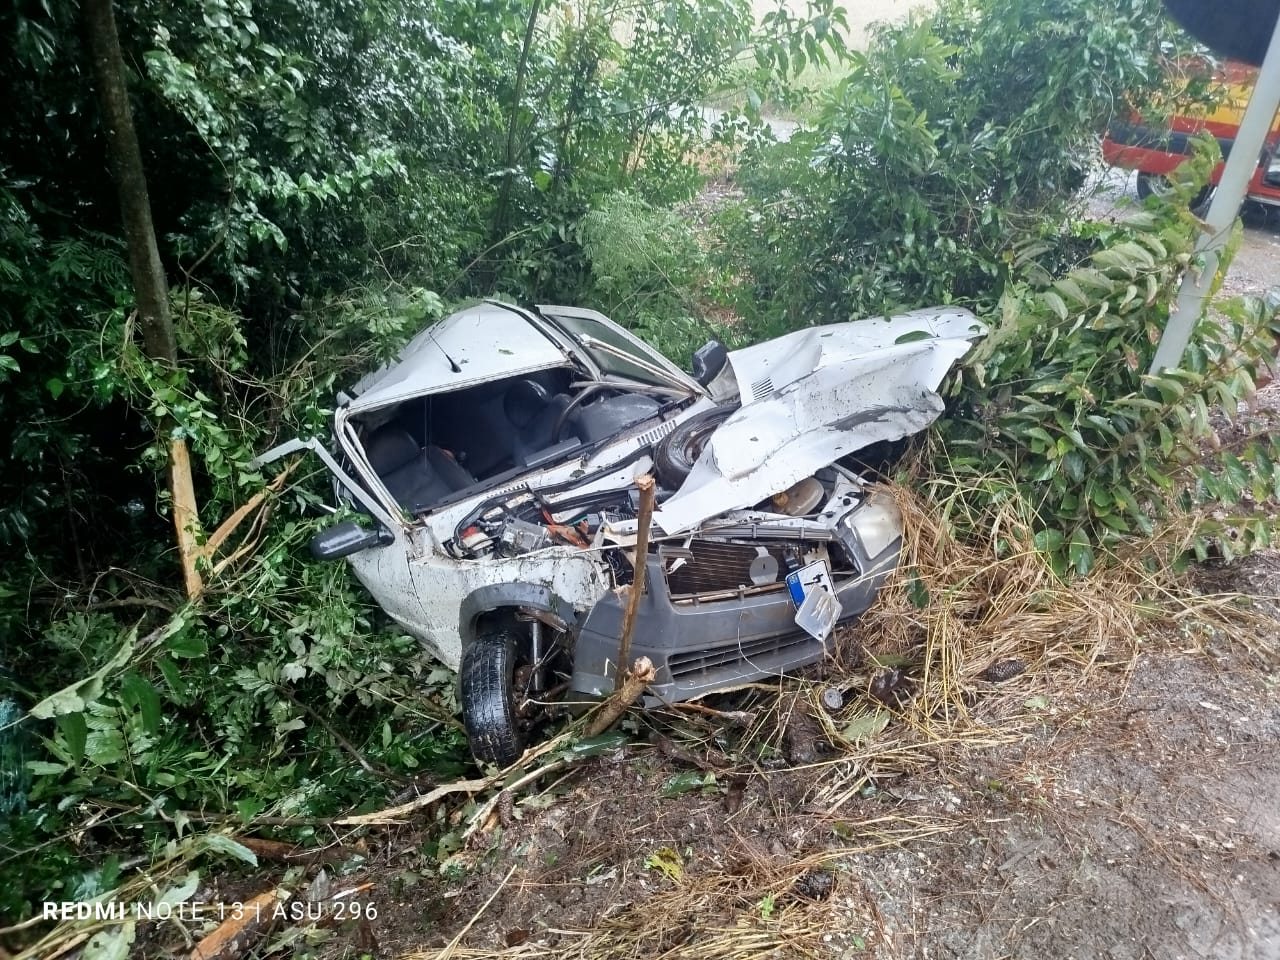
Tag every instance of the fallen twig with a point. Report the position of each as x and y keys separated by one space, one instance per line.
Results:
x=482 y=814
x=740 y=718
x=395 y=814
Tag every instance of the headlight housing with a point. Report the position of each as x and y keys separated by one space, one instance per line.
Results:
x=875 y=524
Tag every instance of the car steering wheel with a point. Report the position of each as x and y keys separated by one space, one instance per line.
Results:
x=591 y=389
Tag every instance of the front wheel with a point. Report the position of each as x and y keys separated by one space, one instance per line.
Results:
x=489 y=713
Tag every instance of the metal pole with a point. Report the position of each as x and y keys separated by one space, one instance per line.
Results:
x=1250 y=139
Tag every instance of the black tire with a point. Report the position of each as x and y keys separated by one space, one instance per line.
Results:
x=678 y=451
x=1155 y=185
x=487 y=675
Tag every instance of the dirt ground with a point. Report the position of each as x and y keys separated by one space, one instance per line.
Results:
x=1132 y=817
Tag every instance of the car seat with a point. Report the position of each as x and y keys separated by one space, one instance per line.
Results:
x=533 y=412
x=418 y=477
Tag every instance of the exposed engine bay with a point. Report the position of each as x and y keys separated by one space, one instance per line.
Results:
x=742 y=552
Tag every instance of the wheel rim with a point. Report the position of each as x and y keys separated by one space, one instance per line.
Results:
x=1159 y=186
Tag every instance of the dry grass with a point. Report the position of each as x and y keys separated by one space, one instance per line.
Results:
x=753 y=909
x=952 y=612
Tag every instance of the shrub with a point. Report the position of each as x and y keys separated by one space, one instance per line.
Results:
x=1056 y=414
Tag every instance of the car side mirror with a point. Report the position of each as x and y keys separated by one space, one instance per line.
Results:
x=344 y=539
x=708 y=360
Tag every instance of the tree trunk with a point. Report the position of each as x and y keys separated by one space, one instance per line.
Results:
x=149 y=286
x=500 y=211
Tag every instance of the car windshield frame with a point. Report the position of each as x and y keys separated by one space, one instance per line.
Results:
x=622 y=354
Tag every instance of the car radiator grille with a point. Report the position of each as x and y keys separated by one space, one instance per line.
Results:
x=695 y=662
x=717 y=566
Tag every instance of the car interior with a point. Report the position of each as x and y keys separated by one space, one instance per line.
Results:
x=429 y=449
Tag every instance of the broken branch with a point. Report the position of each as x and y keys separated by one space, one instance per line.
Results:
x=624 y=695
x=644 y=521
x=395 y=814
x=186 y=517
x=481 y=816
x=229 y=525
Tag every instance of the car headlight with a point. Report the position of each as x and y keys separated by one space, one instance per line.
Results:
x=877 y=523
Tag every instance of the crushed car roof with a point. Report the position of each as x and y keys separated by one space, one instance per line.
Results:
x=480 y=343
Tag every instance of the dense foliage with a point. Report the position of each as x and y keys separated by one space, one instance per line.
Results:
x=327 y=178
x=946 y=169
x=1061 y=439
x=323 y=178
x=955 y=136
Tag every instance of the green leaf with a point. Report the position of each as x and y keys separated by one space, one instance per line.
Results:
x=1114 y=522
x=914 y=336
x=222 y=844
x=112 y=943
x=1056 y=304
x=179 y=892
x=75 y=733
x=596 y=746
x=187 y=644
x=1048 y=541
x=1074 y=465
x=917 y=593
x=1041 y=434
x=865 y=726
x=1072 y=290
x=74 y=698
x=249 y=807
x=139 y=693
x=667 y=861
x=686 y=781
x=1236 y=472
x=43 y=768
x=1080 y=553
x=172 y=678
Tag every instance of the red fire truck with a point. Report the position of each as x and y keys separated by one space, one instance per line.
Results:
x=1154 y=149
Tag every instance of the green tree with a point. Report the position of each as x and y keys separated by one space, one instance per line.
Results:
x=958 y=136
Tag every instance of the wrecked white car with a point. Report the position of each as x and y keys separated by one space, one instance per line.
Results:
x=497 y=462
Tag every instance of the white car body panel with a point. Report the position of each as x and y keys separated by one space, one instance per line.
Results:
x=815 y=395
x=487 y=342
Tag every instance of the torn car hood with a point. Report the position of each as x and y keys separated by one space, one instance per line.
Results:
x=816 y=395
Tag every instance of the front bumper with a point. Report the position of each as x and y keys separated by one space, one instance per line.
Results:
x=701 y=647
